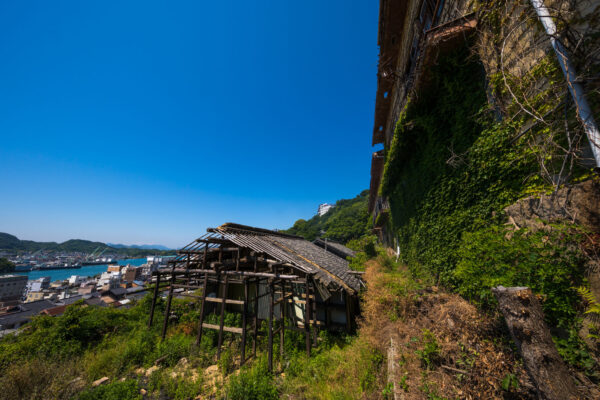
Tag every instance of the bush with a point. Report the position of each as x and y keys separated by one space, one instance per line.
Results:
x=550 y=263
x=126 y=390
x=252 y=383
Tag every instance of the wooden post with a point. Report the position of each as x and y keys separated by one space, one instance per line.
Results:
x=244 y=322
x=525 y=320
x=255 y=317
x=205 y=256
x=168 y=309
x=307 y=316
x=201 y=321
x=156 y=292
x=314 y=314
x=222 y=321
x=282 y=314
x=237 y=260
x=270 y=333
x=328 y=313
x=348 y=313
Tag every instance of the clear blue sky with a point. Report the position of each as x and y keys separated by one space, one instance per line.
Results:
x=147 y=121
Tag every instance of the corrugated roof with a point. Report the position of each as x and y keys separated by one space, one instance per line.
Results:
x=331 y=270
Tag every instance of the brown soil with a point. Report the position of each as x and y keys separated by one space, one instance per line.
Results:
x=473 y=355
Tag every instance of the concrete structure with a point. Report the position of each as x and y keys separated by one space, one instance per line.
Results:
x=414 y=33
x=76 y=280
x=38 y=285
x=11 y=288
x=34 y=296
x=324 y=208
x=131 y=273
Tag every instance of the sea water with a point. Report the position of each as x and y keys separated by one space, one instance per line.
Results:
x=89 y=270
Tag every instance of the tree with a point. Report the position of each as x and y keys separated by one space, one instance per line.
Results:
x=6 y=266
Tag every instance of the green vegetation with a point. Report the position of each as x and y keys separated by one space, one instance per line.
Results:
x=59 y=358
x=430 y=354
x=346 y=221
x=450 y=171
x=127 y=389
x=10 y=242
x=6 y=266
x=546 y=261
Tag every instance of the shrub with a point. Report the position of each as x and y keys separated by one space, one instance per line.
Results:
x=252 y=383
x=430 y=354
x=126 y=390
x=549 y=262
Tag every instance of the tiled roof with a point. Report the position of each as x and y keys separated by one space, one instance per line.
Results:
x=331 y=270
x=335 y=248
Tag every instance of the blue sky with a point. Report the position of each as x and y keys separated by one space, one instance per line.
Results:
x=148 y=121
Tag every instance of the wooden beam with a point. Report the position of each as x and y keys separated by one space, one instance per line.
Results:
x=168 y=309
x=221 y=328
x=223 y=300
x=244 y=322
x=156 y=291
x=307 y=318
x=240 y=273
x=348 y=312
x=201 y=321
x=255 y=317
x=222 y=320
x=282 y=314
x=270 y=339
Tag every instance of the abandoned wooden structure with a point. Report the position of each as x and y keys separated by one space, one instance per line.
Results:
x=264 y=275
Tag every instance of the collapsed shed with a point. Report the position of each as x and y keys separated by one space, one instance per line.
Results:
x=265 y=275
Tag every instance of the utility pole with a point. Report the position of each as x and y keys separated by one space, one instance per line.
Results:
x=584 y=112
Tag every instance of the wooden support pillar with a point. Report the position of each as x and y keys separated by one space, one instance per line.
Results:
x=255 y=318
x=201 y=321
x=222 y=320
x=244 y=321
x=328 y=312
x=314 y=313
x=282 y=315
x=237 y=260
x=348 y=312
x=307 y=316
x=255 y=261
x=154 y=298
x=205 y=256
x=270 y=333
x=168 y=309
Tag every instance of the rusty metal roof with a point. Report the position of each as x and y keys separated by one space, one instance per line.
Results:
x=331 y=270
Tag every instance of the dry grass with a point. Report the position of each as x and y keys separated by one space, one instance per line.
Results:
x=445 y=347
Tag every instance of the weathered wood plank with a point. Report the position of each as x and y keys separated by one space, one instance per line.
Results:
x=231 y=329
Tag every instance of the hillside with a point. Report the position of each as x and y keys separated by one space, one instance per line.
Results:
x=10 y=242
x=348 y=220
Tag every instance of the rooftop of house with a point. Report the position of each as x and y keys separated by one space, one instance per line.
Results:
x=334 y=247
x=328 y=268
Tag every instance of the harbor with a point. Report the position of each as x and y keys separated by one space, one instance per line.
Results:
x=59 y=274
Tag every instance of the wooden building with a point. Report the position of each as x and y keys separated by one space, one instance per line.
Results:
x=264 y=275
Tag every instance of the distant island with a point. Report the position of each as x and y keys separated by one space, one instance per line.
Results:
x=12 y=243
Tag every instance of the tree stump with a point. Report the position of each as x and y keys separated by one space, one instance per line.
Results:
x=523 y=314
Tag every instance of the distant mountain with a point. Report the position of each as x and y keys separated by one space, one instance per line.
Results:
x=139 y=246
x=10 y=242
